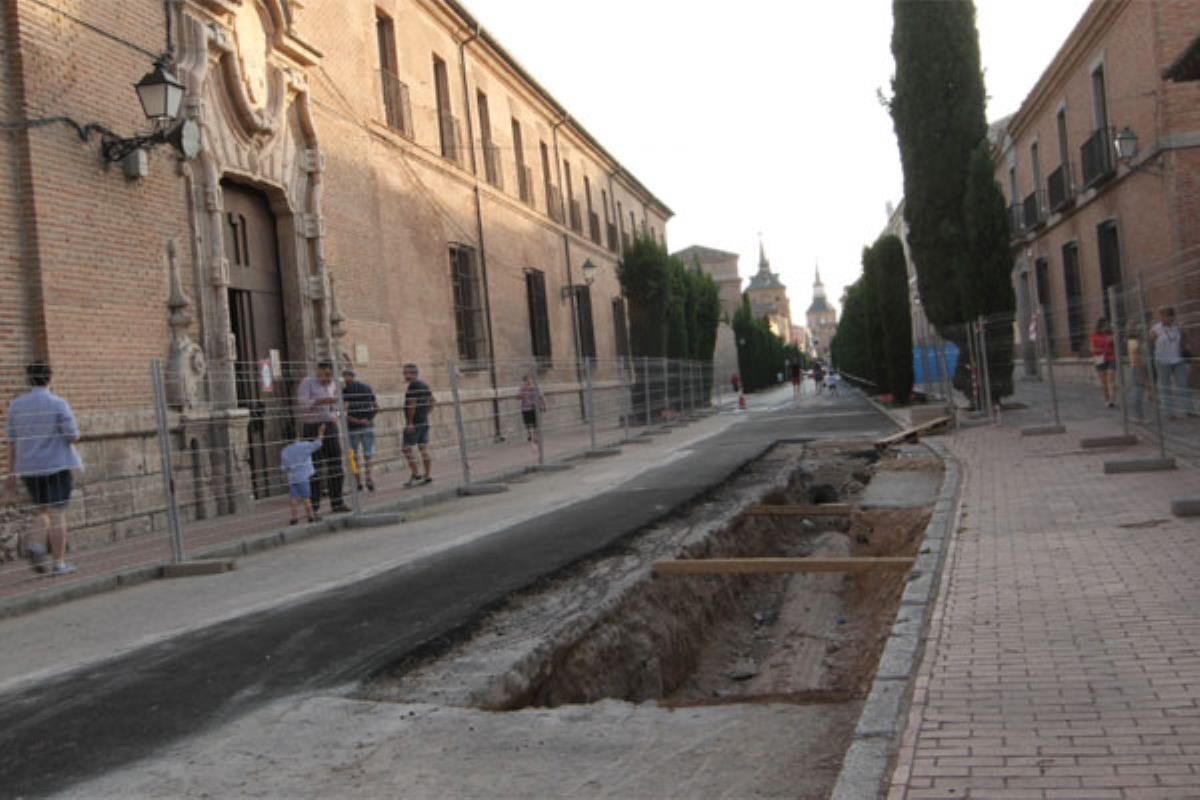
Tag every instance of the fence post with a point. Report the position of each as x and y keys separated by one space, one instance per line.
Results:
x=987 y=372
x=1157 y=394
x=591 y=400
x=626 y=392
x=1049 y=362
x=1119 y=341
x=537 y=409
x=343 y=433
x=646 y=389
x=174 y=530
x=452 y=368
x=666 y=385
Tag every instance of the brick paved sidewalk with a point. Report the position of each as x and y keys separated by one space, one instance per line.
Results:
x=1063 y=658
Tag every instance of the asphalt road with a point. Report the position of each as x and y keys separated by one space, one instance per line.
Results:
x=101 y=717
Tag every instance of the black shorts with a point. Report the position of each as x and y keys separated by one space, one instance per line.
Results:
x=50 y=491
x=419 y=435
x=530 y=416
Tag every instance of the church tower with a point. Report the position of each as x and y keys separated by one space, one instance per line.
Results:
x=821 y=318
x=768 y=298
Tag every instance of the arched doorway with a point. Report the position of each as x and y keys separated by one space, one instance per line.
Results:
x=257 y=322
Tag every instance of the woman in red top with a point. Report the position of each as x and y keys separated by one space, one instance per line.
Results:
x=1104 y=356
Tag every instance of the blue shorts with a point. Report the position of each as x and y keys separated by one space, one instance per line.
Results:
x=418 y=435
x=300 y=491
x=364 y=439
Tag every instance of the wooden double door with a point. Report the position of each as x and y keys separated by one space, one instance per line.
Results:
x=258 y=323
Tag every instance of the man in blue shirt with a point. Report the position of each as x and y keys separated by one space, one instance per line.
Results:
x=41 y=432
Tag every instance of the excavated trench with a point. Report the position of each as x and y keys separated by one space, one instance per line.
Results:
x=610 y=628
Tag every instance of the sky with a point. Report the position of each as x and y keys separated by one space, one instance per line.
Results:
x=762 y=116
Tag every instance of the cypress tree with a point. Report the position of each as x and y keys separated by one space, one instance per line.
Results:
x=889 y=285
x=938 y=113
x=959 y=243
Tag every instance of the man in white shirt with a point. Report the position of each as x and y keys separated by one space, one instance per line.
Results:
x=41 y=432
x=317 y=397
x=1166 y=337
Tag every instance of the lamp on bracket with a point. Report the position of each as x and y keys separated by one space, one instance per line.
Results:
x=161 y=95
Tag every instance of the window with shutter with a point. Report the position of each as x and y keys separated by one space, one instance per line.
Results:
x=539 y=318
x=468 y=303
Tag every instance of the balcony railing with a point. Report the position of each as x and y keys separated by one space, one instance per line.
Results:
x=554 y=204
x=1031 y=211
x=594 y=226
x=525 y=183
x=491 y=165
x=1096 y=155
x=1058 y=188
x=397 y=108
x=613 y=243
x=576 y=217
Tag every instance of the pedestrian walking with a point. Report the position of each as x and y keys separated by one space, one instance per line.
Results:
x=317 y=397
x=532 y=402
x=818 y=375
x=1170 y=359
x=418 y=404
x=1104 y=357
x=735 y=382
x=797 y=375
x=361 y=408
x=297 y=462
x=42 y=432
x=831 y=382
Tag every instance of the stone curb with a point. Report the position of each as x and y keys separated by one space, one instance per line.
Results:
x=867 y=763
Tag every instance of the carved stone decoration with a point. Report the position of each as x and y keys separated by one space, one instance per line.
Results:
x=337 y=320
x=186 y=364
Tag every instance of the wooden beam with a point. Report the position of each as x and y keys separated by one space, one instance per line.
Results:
x=909 y=433
x=715 y=566
x=823 y=510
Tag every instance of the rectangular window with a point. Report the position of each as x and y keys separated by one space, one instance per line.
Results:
x=397 y=109
x=620 y=328
x=539 y=317
x=553 y=197
x=587 y=332
x=449 y=135
x=609 y=228
x=1109 y=245
x=1043 y=299
x=1099 y=99
x=468 y=303
x=1076 y=324
x=491 y=153
x=576 y=215
x=592 y=216
x=1064 y=145
x=524 y=174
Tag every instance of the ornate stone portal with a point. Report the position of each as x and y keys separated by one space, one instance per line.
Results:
x=245 y=72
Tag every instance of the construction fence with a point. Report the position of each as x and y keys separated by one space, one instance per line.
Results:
x=224 y=482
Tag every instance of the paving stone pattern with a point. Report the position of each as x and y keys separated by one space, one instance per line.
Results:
x=1063 y=658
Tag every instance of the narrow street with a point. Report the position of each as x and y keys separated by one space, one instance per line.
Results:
x=101 y=717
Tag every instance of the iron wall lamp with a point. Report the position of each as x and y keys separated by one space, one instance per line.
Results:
x=161 y=95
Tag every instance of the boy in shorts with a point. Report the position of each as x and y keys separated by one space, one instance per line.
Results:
x=296 y=460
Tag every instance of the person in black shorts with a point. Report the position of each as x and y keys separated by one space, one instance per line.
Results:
x=418 y=403
x=41 y=432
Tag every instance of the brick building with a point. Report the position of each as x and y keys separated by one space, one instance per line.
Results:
x=1084 y=219
x=821 y=318
x=377 y=180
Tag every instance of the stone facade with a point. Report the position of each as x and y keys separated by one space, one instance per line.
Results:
x=377 y=137
x=1082 y=218
x=722 y=267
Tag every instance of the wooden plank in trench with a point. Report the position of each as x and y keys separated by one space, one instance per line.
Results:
x=717 y=566
x=915 y=431
x=823 y=510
